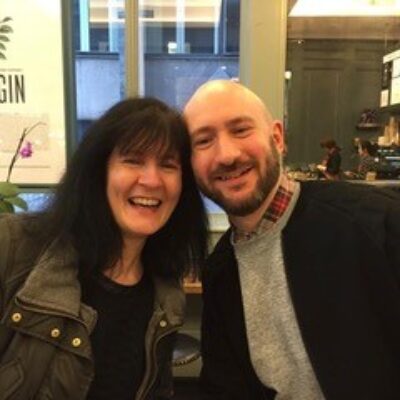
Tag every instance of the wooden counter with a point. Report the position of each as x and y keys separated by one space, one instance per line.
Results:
x=378 y=182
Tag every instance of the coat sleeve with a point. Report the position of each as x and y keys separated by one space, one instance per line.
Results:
x=4 y=256
x=5 y=240
x=379 y=217
x=392 y=236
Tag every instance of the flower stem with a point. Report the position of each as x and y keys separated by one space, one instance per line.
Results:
x=25 y=133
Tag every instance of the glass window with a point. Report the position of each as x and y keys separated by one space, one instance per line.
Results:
x=186 y=43
x=99 y=57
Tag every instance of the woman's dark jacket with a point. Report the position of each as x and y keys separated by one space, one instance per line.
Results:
x=341 y=249
x=45 y=350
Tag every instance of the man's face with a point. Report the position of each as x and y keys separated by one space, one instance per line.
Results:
x=236 y=150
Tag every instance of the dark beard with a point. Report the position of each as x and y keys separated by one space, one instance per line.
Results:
x=264 y=187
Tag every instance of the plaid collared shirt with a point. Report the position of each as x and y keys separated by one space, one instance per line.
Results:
x=275 y=210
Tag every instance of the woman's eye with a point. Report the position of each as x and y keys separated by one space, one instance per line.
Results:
x=171 y=164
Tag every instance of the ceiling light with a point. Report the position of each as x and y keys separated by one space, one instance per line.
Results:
x=345 y=8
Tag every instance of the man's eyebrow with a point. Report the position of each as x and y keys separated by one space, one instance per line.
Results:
x=203 y=129
x=230 y=123
x=239 y=120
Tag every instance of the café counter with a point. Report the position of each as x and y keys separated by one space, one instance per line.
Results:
x=392 y=183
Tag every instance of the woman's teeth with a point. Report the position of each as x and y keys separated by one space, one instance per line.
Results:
x=141 y=201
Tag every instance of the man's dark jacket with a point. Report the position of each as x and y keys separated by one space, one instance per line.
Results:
x=341 y=250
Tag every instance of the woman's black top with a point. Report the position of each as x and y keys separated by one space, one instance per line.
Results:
x=333 y=162
x=118 y=338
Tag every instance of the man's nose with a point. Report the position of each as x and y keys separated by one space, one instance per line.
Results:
x=227 y=150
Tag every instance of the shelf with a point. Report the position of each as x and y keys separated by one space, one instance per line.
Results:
x=367 y=126
x=394 y=109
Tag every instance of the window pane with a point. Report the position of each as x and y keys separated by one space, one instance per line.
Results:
x=186 y=43
x=99 y=57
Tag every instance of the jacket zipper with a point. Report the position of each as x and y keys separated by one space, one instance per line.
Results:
x=145 y=391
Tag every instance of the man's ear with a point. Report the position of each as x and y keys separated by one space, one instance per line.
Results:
x=278 y=136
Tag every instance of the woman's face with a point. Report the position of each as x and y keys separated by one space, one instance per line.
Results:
x=143 y=191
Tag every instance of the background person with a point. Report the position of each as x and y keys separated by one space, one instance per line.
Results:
x=366 y=151
x=301 y=294
x=91 y=293
x=330 y=166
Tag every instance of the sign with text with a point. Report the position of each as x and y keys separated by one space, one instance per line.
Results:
x=390 y=90
x=32 y=109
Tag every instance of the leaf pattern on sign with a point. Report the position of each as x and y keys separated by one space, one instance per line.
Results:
x=5 y=30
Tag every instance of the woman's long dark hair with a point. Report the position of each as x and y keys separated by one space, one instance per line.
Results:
x=80 y=213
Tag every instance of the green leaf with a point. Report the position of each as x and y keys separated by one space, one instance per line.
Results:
x=4 y=38
x=2 y=46
x=6 y=207
x=2 y=56
x=17 y=201
x=8 y=189
x=6 y=29
x=6 y=19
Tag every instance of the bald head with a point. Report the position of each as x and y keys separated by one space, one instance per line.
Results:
x=219 y=90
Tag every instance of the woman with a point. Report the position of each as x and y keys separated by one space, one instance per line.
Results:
x=126 y=223
x=330 y=166
x=366 y=151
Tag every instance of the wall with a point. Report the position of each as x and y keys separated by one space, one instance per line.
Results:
x=332 y=82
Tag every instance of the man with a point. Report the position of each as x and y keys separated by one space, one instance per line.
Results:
x=301 y=295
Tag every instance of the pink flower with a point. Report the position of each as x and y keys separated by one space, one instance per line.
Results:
x=26 y=151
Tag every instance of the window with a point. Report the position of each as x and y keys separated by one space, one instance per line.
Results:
x=186 y=43
x=99 y=57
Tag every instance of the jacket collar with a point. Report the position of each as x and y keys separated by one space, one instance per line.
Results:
x=170 y=298
x=53 y=282
x=53 y=286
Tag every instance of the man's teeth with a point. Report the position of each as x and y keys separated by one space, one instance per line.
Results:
x=141 y=201
x=233 y=175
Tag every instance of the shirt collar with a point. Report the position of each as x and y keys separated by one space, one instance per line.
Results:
x=277 y=207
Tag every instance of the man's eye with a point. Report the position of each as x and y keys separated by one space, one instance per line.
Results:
x=202 y=142
x=240 y=130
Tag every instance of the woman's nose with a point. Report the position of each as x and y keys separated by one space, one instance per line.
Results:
x=150 y=175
